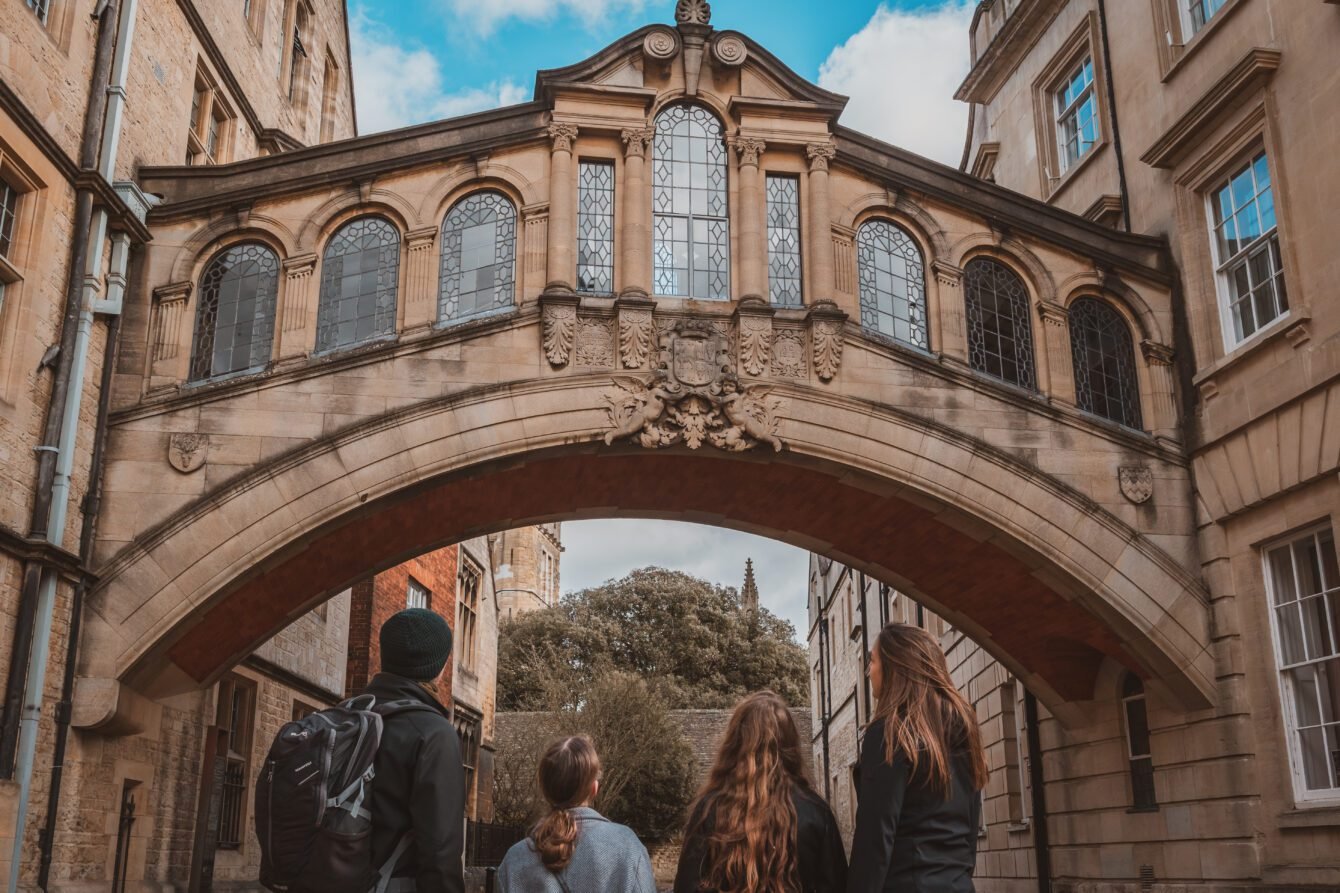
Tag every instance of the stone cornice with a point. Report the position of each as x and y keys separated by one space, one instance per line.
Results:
x=1251 y=71
x=1000 y=59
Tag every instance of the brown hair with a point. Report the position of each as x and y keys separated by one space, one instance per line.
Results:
x=924 y=715
x=568 y=771
x=744 y=811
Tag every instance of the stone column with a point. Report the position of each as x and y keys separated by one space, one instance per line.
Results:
x=297 y=326
x=635 y=232
x=421 y=263
x=171 y=336
x=752 y=214
x=1060 y=381
x=947 y=324
x=562 y=264
x=1162 y=402
x=819 y=231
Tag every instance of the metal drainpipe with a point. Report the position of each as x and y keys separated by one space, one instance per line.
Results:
x=1041 y=844
x=38 y=525
x=46 y=602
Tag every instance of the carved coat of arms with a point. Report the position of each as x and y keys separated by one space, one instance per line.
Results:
x=186 y=452
x=1137 y=482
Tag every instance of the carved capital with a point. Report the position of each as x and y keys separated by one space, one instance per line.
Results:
x=558 y=322
x=819 y=155
x=173 y=293
x=562 y=134
x=636 y=140
x=749 y=148
x=947 y=274
x=1053 y=314
x=299 y=267
x=1156 y=354
x=419 y=239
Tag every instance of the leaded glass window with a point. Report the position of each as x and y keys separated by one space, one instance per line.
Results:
x=691 y=230
x=1304 y=581
x=1247 y=247
x=360 y=273
x=784 y=241
x=595 y=227
x=1104 y=357
x=893 y=283
x=235 y=319
x=1000 y=338
x=478 y=258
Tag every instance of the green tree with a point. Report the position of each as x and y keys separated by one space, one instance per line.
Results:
x=688 y=638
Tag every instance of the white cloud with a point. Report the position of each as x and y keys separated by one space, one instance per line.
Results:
x=596 y=551
x=901 y=71
x=486 y=16
x=396 y=86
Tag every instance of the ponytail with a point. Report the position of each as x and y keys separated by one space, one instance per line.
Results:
x=568 y=771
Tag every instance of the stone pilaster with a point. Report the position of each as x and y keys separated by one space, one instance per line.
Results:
x=635 y=232
x=171 y=342
x=562 y=267
x=421 y=263
x=947 y=315
x=752 y=213
x=1060 y=381
x=1162 y=403
x=297 y=322
x=819 y=229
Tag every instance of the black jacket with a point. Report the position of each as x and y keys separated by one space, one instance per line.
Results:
x=420 y=787
x=908 y=837
x=822 y=861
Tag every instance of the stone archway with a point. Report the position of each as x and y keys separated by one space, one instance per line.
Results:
x=1048 y=581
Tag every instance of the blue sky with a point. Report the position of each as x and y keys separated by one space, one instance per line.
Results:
x=898 y=61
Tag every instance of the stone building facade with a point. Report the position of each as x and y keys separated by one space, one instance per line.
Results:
x=526 y=562
x=189 y=81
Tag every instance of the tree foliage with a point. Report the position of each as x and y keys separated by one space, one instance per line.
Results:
x=688 y=638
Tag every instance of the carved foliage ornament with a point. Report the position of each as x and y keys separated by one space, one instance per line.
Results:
x=693 y=12
x=635 y=330
x=755 y=343
x=560 y=326
x=1137 y=483
x=186 y=452
x=820 y=154
x=749 y=149
x=563 y=135
x=636 y=140
x=827 y=334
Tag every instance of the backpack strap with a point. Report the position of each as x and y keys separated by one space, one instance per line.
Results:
x=404 y=705
x=385 y=884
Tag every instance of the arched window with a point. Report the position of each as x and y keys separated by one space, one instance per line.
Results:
x=1105 y=381
x=1136 y=716
x=1000 y=338
x=893 y=282
x=478 y=258
x=691 y=227
x=360 y=273
x=235 y=322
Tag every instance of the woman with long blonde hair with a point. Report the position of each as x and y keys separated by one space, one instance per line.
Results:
x=921 y=768
x=575 y=849
x=757 y=826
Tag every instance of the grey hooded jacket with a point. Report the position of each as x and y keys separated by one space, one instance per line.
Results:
x=608 y=858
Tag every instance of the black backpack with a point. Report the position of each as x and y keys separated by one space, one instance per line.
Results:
x=312 y=801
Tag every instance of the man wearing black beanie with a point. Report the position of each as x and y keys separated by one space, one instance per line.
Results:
x=419 y=787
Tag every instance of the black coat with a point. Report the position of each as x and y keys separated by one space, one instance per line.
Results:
x=822 y=861
x=419 y=787
x=908 y=837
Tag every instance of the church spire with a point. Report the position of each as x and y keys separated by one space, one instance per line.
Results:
x=749 y=593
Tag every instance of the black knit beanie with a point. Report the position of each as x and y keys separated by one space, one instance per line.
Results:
x=416 y=644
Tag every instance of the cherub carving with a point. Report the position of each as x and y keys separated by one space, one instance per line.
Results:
x=639 y=411
x=752 y=417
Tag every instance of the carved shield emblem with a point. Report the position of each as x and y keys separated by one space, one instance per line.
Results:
x=186 y=452
x=695 y=354
x=1137 y=482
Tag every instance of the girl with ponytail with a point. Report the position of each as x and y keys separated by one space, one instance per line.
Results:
x=758 y=826
x=575 y=849
x=921 y=768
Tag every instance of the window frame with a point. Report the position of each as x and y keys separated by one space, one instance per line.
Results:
x=1083 y=42
x=209 y=136
x=414 y=588
x=41 y=9
x=227 y=690
x=1061 y=114
x=469 y=582
x=690 y=218
x=193 y=357
x=1245 y=162
x=795 y=244
x=1025 y=353
x=328 y=303
x=584 y=218
x=1136 y=385
x=446 y=275
x=1190 y=30
x=1140 y=697
x=924 y=293
x=1303 y=796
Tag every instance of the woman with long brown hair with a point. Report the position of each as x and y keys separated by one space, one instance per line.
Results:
x=758 y=826
x=921 y=768
x=575 y=849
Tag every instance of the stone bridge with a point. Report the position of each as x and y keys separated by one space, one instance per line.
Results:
x=670 y=286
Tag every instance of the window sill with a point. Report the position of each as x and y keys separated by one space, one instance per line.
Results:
x=1073 y=171
x=1270 y=333
x=1323 y=815
x=1019 y=827
x=1142 y=810
x=8 y=274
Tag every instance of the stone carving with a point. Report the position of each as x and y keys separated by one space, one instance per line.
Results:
x=186 y=452
x=636 y=140
x=755 y=343
x=661 y=44
x=820 y=154
x=693 y=352
x=827 y=335
x=635 y=332
x=729 y=49
x=595 y=342
x=693 y=12
x=560 y=326
x=662 y=413
x=788 y=353
x=749 y=149
x=1137 y=483
x=563 y=135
